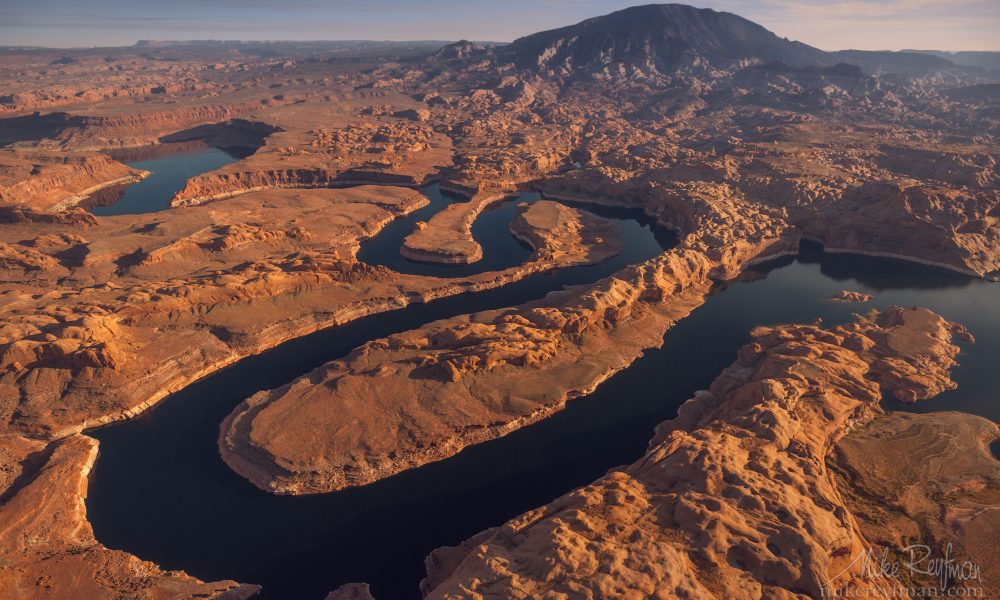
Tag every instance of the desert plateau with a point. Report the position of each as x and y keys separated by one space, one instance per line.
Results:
x=653 y=303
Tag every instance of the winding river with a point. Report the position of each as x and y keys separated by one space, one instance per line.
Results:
x=160 y=490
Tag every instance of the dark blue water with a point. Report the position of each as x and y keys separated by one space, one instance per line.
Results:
x=169 y=175
x=160 y=490
x=492 y=230
x=161 y=485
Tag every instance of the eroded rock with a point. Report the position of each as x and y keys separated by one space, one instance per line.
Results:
x=733 y=497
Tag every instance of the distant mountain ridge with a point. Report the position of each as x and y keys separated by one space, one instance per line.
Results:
x=664 y=39
x=965 y=58
x=658 y=37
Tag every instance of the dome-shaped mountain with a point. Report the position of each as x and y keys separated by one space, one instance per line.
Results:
x=459 y=50
x=656 y=39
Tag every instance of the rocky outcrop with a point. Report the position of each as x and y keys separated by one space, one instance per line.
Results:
x=733 y=497
x=351 y=591
x=564 y=345
x=139 y=281
x=851 y=296
x=162 y=299
x=14 y=258
x=19 y=214
x=47 y=546
x=228 y=183
x=50 y=181
x=930 y=224
x=563 y=235
x=96 y=132
x=388 y=152
x=925 y=488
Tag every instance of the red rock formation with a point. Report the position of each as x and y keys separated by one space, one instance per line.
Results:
x=301 y=155
x=733 y=498
x=447 y=237
x=499 y=370
x=51 y=181
x=850 y=296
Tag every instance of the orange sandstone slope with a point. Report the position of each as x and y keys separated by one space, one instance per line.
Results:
x=423 y=395
x=499 y=370
x=733 y=499
x=54 y=181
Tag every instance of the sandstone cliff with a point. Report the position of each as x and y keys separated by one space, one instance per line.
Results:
x=447 y=237
x=50 y=181
x=380 y=410
x=47 y=547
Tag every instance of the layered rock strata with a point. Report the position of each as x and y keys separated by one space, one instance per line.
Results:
x=349 y=149
x=53 y=182
x=851 y=296
x=103 y=322
x=499 y=370
x=423 y=395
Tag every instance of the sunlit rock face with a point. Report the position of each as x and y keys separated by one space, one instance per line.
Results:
x=733 y=491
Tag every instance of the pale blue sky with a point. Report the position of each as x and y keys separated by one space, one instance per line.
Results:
x=828 y=24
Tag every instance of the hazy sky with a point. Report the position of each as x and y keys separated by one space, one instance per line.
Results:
x=828 y=24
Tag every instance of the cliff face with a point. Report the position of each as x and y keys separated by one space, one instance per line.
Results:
x=162 y=299
x=143 y=281
x=538 y=355
x=864 y=200
x=49 y=181
x=225 y=184
x=92 y=132
x=372 y=149
x=46 y=543
x=447 y=237
x=733 y=498
x=378 y=411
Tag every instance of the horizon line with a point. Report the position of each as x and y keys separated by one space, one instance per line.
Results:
x=392 y=41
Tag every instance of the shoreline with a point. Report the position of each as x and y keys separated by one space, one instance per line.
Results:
x=359 y=310
x=87 y=193
x=339 y=184
x=342 y=316
x=901 y=257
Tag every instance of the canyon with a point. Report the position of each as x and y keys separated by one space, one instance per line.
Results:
x=642 y=164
